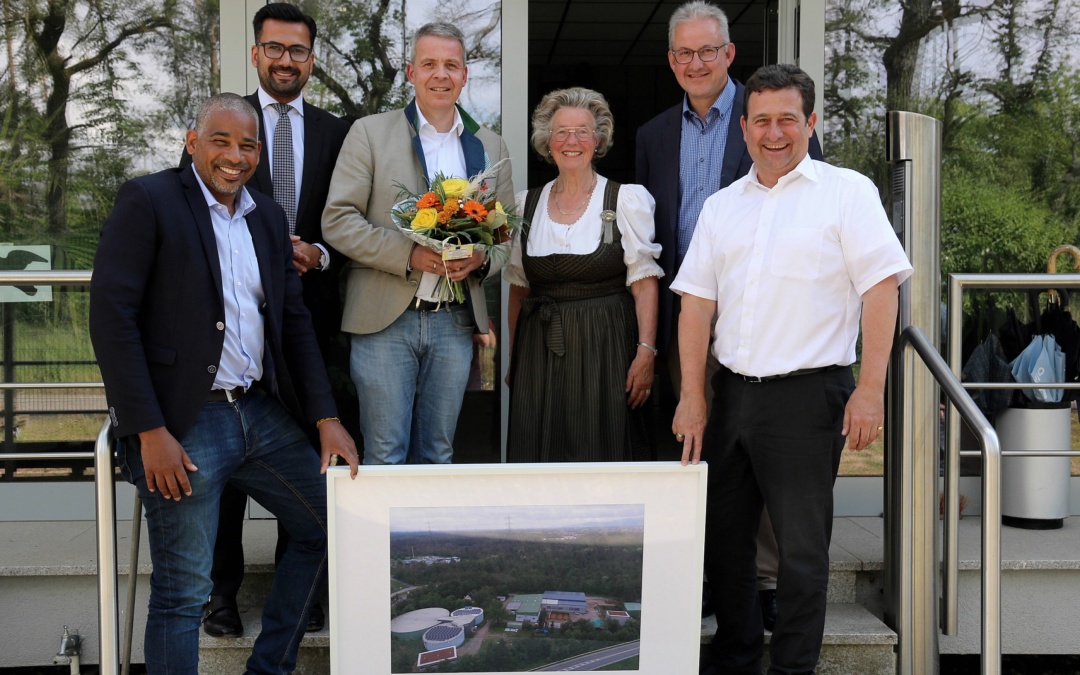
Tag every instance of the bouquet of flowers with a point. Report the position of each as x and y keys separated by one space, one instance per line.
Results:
x=456 y=217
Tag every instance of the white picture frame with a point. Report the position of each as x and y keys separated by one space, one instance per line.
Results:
x=358 y=519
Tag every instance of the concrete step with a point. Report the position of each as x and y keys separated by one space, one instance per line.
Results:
x=228 y=655
x=855 y=642
x=47 y=580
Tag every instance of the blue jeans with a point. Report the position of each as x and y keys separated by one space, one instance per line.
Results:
x=411 y=378
x=255 y=445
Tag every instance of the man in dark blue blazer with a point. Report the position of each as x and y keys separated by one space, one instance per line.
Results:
x=211 y=372
x=684 y=155
x=317 y=137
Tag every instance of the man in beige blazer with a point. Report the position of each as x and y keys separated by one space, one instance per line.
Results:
x=410 y=356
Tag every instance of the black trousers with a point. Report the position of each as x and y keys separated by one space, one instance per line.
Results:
x=776 y=444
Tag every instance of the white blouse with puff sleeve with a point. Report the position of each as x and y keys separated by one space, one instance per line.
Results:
x=633 y=213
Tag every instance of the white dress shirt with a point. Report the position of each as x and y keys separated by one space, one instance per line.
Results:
x=633 y=215
x=296 y=118
x=442 y=154
x=241 y=290
x=788 y=266
x=442 y=150
x=270 y=118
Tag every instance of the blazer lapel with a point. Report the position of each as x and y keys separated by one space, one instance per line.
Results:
x=473 y=148
x=261 y=180
x=260 y=239
x=736 y=143
x=313 y=148
x=418 y=148
x=203 y=225
x=672 y=139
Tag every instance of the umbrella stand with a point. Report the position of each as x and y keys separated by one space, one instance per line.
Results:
x=1035 y=490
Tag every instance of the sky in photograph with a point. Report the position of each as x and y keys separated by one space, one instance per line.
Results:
x=516 y=518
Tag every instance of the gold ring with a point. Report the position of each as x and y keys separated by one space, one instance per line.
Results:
x=680 y=437
x=648 y=392
x=880 y=428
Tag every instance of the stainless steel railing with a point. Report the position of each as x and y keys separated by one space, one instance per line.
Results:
x=991 y=541
x=914 y=342
x=104 y=483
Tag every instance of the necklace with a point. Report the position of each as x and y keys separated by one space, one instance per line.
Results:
x=588 y=195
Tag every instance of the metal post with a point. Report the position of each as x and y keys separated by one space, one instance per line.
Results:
x=913 y=147
x=108 y=601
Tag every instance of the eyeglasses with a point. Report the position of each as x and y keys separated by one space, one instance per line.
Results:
x=275 y=50
x=582 y=134
x=706 y=54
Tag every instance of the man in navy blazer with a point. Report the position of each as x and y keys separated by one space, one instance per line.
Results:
x=684 y=155
x=317 y=136
x=211 y=371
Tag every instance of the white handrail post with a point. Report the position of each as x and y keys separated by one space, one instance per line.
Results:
x=108 y=600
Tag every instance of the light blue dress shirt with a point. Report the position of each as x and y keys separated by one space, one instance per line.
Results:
x=241 y=289
x=701 y=159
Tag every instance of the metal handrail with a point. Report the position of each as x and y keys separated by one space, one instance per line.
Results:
x=913 y=341
x=991 y=470
x=104 y=482
x=108 y=600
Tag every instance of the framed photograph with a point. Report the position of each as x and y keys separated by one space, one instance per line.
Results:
x=515 y=568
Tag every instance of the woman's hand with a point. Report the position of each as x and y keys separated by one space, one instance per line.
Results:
x=639 y=379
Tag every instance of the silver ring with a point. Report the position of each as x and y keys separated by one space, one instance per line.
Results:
x=434 y=266
x=880 y=428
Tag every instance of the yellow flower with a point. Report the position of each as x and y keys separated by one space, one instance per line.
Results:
x=454 y=188
x=425 y=219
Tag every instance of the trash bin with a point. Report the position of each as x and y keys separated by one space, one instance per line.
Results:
x=1035 y=490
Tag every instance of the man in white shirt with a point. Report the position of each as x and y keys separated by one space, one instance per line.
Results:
x=410 y=355
x=786 y=259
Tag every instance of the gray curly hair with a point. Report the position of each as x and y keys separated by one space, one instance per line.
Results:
x=574 y=97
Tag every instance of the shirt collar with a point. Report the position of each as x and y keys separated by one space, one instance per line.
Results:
x=267 y=100
x=244 y=205
x=422 y=123
x=722 y=105
x=805 y=168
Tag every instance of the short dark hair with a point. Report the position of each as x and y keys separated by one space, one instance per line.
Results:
x=781 y=76
x=283 y=11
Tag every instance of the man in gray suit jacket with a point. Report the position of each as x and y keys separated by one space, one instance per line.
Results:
x=410 y=356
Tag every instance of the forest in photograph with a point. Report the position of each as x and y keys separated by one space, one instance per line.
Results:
x=531 y=587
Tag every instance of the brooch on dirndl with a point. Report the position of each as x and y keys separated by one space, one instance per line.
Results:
x=608 y=217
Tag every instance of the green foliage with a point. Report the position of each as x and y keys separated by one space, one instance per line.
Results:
x=1011 y=139
x=981 y=217
x=493 y=566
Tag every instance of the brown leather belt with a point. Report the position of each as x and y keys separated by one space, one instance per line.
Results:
x=794 y=373
x=226 y=395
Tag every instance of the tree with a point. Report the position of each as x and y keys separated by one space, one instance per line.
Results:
x=365 y=48
x=68 y=48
